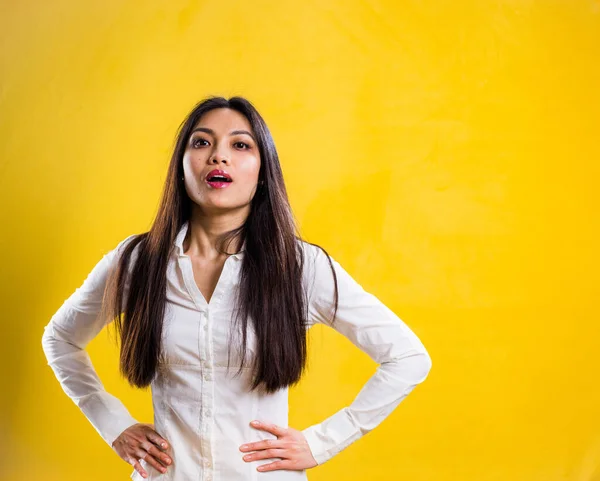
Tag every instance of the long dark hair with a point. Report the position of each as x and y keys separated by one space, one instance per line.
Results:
x=270 y=293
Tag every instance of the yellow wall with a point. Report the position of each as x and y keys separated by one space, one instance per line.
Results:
x=446 y=153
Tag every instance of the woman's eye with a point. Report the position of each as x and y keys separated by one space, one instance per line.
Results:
x=243 y=145
x=197 y=142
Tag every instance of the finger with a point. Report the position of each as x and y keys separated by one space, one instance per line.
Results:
x=269 y=427
x=284 y=464
x=157 y=439
x=264 y=444
x=140 y=455
x=150 y=460
x=266 y=454
x=157 y=453
x=138 y=467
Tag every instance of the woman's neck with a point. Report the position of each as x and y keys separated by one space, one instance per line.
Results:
x=205 y=230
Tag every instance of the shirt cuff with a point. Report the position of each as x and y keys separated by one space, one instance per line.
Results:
x=332 y=435
x=108 y=415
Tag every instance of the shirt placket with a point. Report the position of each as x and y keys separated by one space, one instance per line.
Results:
x=207 y=408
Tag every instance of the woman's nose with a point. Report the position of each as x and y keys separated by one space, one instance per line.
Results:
x=217 y=159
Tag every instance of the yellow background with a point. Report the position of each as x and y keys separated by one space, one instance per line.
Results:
x=445 y=152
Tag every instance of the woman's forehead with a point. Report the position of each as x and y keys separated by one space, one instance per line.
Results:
x=224 y=119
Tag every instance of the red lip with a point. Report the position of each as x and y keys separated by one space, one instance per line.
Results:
x=218 y=172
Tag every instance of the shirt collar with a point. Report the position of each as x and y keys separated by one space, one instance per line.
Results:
x=181 y=236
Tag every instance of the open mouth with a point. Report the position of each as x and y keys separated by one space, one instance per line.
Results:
x=219 y=178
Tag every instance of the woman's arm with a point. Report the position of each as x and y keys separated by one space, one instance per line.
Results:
x=64 y=340
x=379 y=332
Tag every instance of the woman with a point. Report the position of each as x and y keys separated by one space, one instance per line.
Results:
x=212 y=307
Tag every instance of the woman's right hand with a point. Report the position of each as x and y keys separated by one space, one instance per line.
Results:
x=141 y=441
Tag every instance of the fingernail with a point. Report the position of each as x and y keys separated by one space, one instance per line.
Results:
x=255 y=423
x=244 y=446
x=164 y=445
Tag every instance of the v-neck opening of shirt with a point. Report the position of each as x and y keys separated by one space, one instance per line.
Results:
x=197 y=293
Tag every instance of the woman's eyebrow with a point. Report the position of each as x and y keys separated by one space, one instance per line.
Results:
x=233 y=132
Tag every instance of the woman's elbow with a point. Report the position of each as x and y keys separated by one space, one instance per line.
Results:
x=49 y=342
x=421 y=366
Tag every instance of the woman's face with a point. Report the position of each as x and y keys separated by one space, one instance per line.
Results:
x=222 y=140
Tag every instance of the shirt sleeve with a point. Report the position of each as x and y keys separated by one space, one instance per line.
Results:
x=64 y=340
x=383 y=336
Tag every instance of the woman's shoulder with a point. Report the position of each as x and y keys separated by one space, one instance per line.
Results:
x=310 y=251
x=124 y=242
x=117 y=250
x=317 y=262
x=314 y=252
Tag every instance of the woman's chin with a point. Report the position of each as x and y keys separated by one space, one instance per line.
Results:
x=220 y=206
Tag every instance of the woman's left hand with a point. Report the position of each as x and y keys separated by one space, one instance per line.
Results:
x=290 y=446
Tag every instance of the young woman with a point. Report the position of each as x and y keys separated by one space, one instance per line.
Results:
x=212 y=307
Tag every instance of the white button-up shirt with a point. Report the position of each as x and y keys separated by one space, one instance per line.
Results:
x=203 y=410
